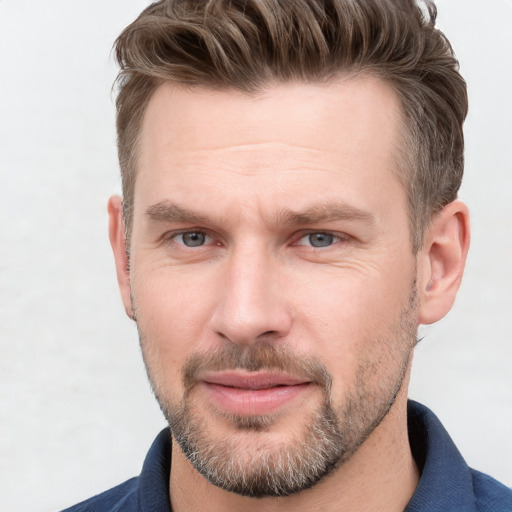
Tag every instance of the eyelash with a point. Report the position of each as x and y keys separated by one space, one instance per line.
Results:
x=337 y=238
x=171 y=237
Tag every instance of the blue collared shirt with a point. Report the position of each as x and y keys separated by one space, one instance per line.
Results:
x=447 y=484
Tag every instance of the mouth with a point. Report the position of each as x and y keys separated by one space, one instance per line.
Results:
x=253 y=393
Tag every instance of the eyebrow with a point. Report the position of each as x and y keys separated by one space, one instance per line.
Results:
x=171 y=212
x=166 y=211
x=325 y=212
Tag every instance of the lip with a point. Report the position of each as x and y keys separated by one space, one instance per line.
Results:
x=253 y=393
x=252 y=380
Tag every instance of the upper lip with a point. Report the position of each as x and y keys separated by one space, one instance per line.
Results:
x=252 y=380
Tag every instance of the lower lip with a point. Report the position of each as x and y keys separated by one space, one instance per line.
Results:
x=252 y=402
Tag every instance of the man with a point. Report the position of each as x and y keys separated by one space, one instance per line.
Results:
x=290 y=216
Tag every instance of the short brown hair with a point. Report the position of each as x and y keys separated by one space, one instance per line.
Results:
x=247 y=44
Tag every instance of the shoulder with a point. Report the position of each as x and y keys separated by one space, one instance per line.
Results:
x=122 y=497
x=491 y=495
x=149 y=491
x=447 y=483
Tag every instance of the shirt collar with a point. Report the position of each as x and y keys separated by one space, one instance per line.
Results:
x=445 y=477
x=446 y=480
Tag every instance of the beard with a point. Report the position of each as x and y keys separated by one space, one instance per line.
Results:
x=258 y=466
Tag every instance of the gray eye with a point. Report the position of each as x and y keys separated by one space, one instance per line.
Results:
x=193 y=238
x=320 y=239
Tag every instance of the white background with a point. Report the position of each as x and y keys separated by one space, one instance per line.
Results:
x=76 y=412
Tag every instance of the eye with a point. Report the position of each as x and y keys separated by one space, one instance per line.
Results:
x=191 y=238
x=319 y=239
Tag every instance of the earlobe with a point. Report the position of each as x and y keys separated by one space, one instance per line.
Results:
x=118 y=243
x=442 y=261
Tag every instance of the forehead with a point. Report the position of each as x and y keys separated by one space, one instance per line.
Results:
x=205 y=117
x=293 y=138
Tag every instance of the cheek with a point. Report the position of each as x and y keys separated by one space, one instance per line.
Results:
x=343 y=301
x=172 y=313
x=356 y=322
x=172 y=300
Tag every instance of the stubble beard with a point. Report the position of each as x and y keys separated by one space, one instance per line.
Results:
x=328 y=440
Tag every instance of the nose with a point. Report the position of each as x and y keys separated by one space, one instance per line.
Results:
x=252 y=303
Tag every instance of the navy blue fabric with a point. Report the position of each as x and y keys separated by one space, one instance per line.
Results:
x=447 y=484
x=148 y=492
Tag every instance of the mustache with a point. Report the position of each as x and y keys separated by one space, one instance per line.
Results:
x=256 y=357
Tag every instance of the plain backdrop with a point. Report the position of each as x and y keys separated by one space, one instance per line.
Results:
x=76 y=412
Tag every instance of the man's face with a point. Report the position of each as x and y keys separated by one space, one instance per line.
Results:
x=272 y=275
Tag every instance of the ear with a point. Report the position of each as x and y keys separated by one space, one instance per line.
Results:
x=442 y=261
x=116 y=231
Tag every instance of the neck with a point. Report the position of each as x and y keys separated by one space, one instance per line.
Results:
x=381 y=476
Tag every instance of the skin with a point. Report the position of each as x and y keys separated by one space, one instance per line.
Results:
x=234 y=163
